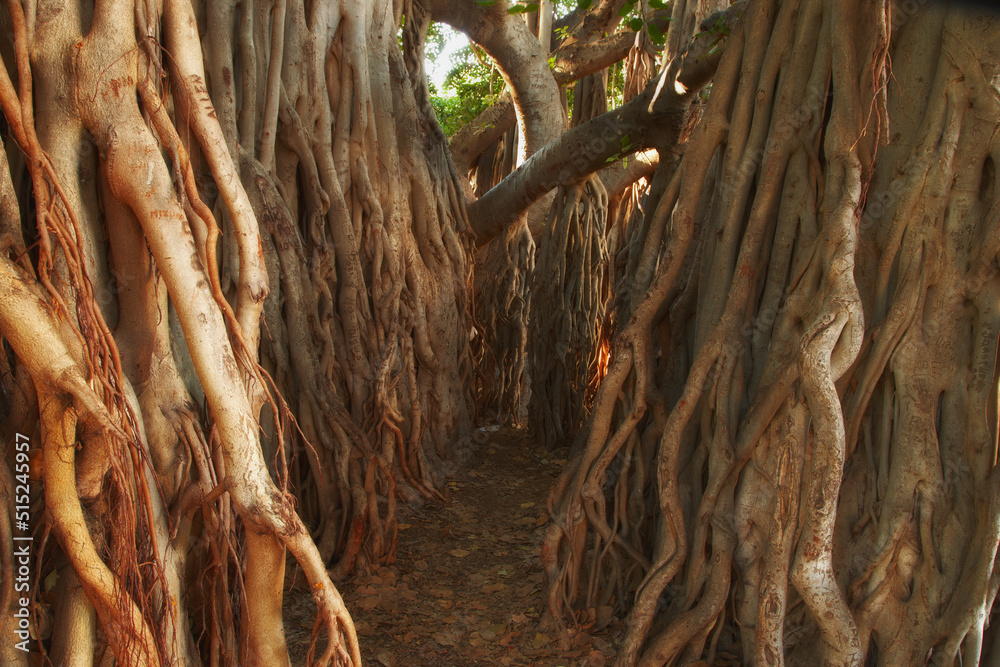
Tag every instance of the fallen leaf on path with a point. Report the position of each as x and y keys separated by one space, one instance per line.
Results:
x=459 y=553
x=604 y=616
x=506 y=639
x=526 y=590
x=369 y=603
x=443 y=639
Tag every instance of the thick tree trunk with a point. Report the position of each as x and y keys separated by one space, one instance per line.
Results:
x=804 y=379
x=341 y=224
x=791 y=455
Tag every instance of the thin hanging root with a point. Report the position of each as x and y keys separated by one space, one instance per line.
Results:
x=568 y=292
x=182 y=38
x=121 y=620
x=812 y=572
x=381 y=270
x=258 y=502
x=56 y=362
x=109 y=409
x=829 y=348
x=167 y=134
x=729 y=438
x=129 y=150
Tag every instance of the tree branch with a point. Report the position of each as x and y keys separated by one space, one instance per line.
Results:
x=591 y=146
x=522 y=61
x=580 y=151
x=618 y=176
x=572 y=62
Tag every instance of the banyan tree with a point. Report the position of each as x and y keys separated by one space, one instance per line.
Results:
x=741 y=259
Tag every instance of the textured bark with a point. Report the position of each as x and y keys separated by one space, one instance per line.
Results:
x=569 y=63
x=569 y=295
x=657 y=118
x=523 y=61
x=792 y=456
x=224 y=191
x=773 y=343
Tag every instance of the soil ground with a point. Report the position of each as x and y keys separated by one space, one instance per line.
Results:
x=466 y=585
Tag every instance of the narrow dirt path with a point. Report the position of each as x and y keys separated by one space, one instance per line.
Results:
x=465 y=589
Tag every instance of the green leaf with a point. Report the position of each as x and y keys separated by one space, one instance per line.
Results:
x=656 y=35
x=657 y=4
x=584 y=4
x=523 y=9
x=635 y=24
x=719 y=28
x=486 y=3
x=626 y=8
